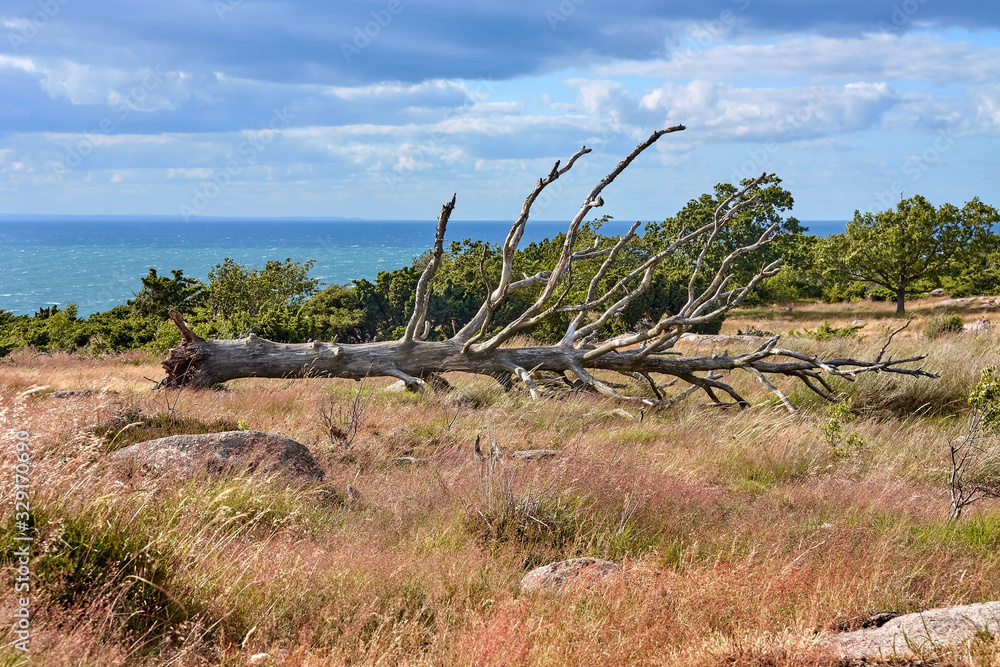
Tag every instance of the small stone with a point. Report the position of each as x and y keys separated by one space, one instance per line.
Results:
x=534 y=454
x=71 y=393
x=258 y=658
x=576 y=572
x=412 y=460
x=397 y=387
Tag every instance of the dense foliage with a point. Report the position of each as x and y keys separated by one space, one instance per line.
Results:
x=881 y=256
x=916 y=242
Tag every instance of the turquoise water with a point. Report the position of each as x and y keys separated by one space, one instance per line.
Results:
x=97 y=263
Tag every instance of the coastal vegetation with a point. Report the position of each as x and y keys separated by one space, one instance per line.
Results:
x=735 y=536
x=281 y=302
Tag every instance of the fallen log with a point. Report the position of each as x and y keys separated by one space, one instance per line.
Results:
x=481 y=348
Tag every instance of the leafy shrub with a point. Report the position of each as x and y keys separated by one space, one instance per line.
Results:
x=841 y=447
x=167 y=336
x=825 y=332
x=83 y=558
x=122 y=329
x=881 y=294
x=48 y=330
x=940 y=325
x=836 y=292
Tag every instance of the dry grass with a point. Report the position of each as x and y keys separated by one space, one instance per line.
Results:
x=742 y=535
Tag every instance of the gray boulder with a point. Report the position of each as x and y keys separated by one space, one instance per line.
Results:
x=982 y=324
x=577 y=572
x=237 y=451
x=917 y=635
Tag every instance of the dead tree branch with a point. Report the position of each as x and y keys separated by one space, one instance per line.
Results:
x=575 y=362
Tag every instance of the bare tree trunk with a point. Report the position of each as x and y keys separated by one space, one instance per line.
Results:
x=483 y=349
x=901 y=300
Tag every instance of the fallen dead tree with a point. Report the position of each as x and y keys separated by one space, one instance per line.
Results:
x=483 y=348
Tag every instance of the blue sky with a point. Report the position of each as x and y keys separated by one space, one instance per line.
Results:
x=383 y=109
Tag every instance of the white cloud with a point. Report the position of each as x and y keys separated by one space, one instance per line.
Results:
x=21 y=63
x=199 y=173
x=723 y=111
x=394 y=90
x=144 y=89
x=18 y=23
x=912 y=57
x=987 y=101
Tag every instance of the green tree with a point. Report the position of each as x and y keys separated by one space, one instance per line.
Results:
x=916 y=242
x=160 y=293
x=49 y=329
x=234 y=288
x=334 y=312
x=669 y=291
x=122 y=328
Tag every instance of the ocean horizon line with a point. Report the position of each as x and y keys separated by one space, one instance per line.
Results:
x=144 y=217
x=102 y=259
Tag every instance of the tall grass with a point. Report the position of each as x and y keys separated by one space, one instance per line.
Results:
x=742 y=535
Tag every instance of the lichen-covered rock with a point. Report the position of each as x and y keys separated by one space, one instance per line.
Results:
x=982 y=324
x=237 y=451
x=917 y=635
x=577 y=572
x=71 y=393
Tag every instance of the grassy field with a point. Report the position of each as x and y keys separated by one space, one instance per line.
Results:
x=743 y=536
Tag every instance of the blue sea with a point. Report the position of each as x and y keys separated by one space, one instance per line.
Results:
x=97 y=262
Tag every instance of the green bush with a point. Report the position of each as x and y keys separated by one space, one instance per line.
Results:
x=836 y=292
x=122 y=329
x=825 y=332
x=86 y=558
x=48 y=330
x=940 y=325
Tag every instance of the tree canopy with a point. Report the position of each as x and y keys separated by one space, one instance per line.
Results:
x=916 y=242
